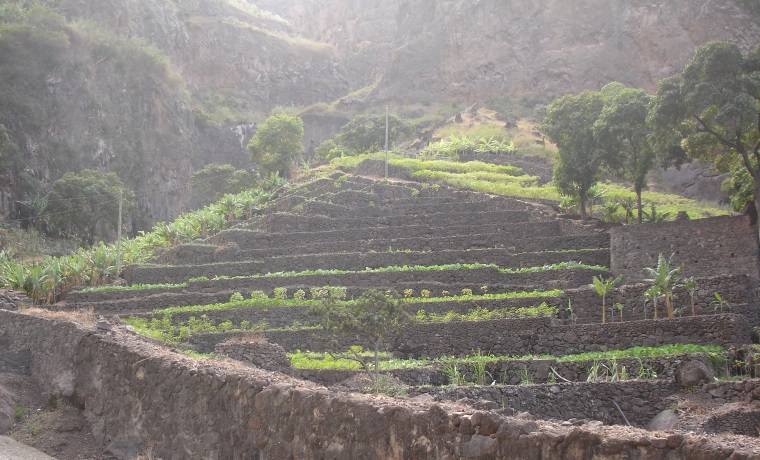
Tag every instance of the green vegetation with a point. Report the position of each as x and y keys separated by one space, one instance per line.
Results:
x=371 y=319
x=710 y=111
x=452 y=146
x=482 y=314
x=569 y=124
x=213 y=181
x=77 y=203
x=312 y=360
x=276 y=143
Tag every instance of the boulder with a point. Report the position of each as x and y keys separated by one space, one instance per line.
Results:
x=693 y=373
x=666 y=420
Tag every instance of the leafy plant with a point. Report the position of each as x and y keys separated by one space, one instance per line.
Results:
x=665 y=277
x=719 y=303
x=691 y=287
x=604 y=286
x=236 y=297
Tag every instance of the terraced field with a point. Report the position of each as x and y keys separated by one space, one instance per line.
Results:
x=498 y=288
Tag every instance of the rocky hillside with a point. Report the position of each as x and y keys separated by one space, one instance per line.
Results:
x=471 y=51
x=156 y=89
x=151 y=90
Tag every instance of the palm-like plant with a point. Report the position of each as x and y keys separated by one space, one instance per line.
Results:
x=690 y=285
x=628 y=205
x=653 y=293
x=665 y=276
x=603 y=286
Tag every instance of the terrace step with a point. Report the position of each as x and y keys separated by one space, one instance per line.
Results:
x=534 y=336
x=192 y=254
x=157 y=274
x=247 y=239
x=549 y=279
x=294 y=223
x=285 y=316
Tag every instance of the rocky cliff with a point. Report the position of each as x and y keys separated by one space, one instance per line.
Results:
x=472 y=50
x=150 y=89
x=155 y=89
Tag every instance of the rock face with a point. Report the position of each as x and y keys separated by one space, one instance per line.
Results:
x=473 y=50
x=152 y=90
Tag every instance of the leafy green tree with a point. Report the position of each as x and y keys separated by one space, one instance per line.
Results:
x=276 y=144
x=622 y=130
x=372 y=318
x=366 y=133
x=569 y=123
x=77 y=202
x=213 y=181
x=711 y=109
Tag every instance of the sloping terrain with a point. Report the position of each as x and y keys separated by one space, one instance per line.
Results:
x=504 y=318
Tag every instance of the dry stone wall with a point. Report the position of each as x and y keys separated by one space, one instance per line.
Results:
x=519 y=337
x=706 y=247
x=639 y=400
x=137 y=395
x=511 y=337
x=505 y=258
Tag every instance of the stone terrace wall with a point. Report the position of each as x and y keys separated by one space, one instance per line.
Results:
x=156 y=274
x=705 y=247
x=474 y=277
x=137 y=395
x=189 y=254
x=535 y=336
x=640 y=400
x=736 y=289
x=246 y=239
x=288 y=223
x=539 y=336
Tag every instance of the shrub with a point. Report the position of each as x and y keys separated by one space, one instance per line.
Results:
x=236 y=297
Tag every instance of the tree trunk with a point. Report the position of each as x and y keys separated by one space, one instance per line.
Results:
x=638 y=203
x=582 y=205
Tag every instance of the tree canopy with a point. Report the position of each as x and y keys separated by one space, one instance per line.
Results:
x=77 y=202
x=622 y=131
x=712 y=110
x=276 y=144
x=366 y=133
x=372 y=319
x=213 y=181
x=569 y=123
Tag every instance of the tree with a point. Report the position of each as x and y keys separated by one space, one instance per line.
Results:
x=366 y=133
x=622 y=130
x=77 y=202
x=569 y=123
x=213 y=181
x=712 y=109
x=372 y=319
x=276 y=144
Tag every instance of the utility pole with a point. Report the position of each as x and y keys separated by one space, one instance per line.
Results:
x=118 y=239
x=386 y=141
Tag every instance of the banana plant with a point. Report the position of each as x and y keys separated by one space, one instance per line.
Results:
x=690 y=285
x=665 y=276
x=604 y=286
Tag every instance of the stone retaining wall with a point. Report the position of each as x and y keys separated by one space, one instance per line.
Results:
x=705 y=247
x=534 y=336
x=560 y=279
x=736 y=289
x=639 y=400
x=289 y=223
x=156 y=274
x=137 y=395
x=259 y=353
x=248 y=239
x=190 y=254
